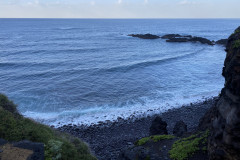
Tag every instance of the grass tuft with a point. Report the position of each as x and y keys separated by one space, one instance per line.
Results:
x=186 y=147
x=154 y=138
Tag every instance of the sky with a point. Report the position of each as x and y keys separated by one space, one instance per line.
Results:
x=119 y=9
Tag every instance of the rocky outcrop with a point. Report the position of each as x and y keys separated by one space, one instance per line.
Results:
x=177 y=38
x=222 y=42
x=186 y=38
x=180 y=129
x=201 y=40
x=158 y=126
x=205 y=122
x=144 y=36
x=224 y=142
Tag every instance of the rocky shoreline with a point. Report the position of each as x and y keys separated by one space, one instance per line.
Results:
x=181 y=38
x=108 y=139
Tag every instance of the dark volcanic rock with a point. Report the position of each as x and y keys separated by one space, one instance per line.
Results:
x=177 y=40
x=109 y=139
x=151 y=150
x=206 y=121
x=224 y=141
x=222 y=42
x=186 y=38
x=201 y=40
x=169 y=36
x=144 y=36
x=132 y=153
x=158 y=126
x=180 y=129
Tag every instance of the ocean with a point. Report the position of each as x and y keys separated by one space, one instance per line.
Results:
x=82 y=71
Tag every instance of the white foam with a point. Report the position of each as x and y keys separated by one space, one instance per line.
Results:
x=103 y=113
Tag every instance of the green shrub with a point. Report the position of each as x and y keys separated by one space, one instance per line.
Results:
x=154 y=138
x=186 y=147
x=58 y=146
x=7 y=104
x=236 y=44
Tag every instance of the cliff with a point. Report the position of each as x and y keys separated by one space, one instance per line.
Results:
x=224 y=142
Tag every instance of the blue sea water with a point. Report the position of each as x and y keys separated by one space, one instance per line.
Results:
x=83 y=71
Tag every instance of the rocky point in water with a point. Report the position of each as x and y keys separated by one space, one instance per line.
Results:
x=224 y=142
x=222 y=42
x=144 y=36
x=180 y=38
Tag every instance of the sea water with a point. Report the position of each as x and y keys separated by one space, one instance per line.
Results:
x=82 y=71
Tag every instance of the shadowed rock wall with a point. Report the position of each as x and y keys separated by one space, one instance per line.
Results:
x=224 y=142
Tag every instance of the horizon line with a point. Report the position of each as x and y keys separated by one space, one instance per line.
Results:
x=108 y=18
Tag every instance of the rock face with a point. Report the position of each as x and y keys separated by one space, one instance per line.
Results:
x=222 y=42
x=158 y=126
x=224 y=142
x=144 y=36
x=206 y=121
x=180 y=129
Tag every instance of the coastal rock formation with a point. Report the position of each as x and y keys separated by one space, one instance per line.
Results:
x=144 y=36
x=187 y=38
x=222 y=42
x=158 y=126
x=180 y=129
x=205 y=122
x=177 y=38
x=224 y=142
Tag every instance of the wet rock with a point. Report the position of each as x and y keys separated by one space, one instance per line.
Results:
x=169 y=36
x=187 y=38
x=177 y=40
x=144 y=36
x=201 y=40
x=180 y=129
x=158 y=127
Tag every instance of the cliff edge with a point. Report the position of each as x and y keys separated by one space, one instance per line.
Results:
x=224 y=142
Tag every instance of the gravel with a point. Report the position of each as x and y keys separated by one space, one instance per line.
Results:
x=108 y=139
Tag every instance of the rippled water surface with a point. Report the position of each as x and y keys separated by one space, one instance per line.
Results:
x=87 y=70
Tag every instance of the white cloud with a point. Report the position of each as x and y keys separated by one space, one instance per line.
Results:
x=93 y=3
x=119 y=1
x=187 y=2
x=145 y=1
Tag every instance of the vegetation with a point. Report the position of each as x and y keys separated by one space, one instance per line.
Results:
x=236 y=31
x=58 y=146
x=154 y=138
x=236 y=44
x=186 y=147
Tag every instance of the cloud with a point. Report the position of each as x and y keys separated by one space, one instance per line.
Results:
x=187 y=2
x=119 y=1
x=145 y=1
x=93 y=3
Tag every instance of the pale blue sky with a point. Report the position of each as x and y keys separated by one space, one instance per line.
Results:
x=119 y=9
